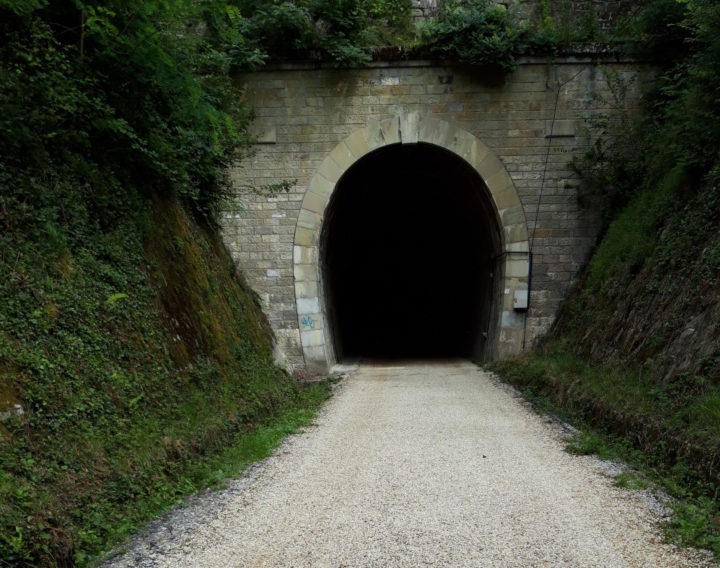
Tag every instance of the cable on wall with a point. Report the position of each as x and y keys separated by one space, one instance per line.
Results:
x=542 y=189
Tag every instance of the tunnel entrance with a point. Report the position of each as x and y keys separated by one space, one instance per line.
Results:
x=409 y=251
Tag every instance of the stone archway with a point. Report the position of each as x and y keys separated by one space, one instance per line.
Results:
x=512 y=265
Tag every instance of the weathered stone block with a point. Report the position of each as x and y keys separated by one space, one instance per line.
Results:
x=321 y=186
x=409 y=124
x=330 y=170
x=305 y=254
x=313 y=338
x=390 y=129
x=513 y=216
x=305 y=273
x=315 y=359
x=314 y=202
x=308 y=306
x=311 y=322
x=342 y=156
x=511 y=320
x=357 y=144
x=306 y=289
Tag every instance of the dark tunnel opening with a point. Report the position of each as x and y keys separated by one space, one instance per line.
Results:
x=408 y=250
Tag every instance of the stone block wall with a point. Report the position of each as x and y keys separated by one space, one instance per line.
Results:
x=303 y=113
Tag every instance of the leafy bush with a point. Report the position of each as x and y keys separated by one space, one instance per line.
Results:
x=478 y=32
x=342 y=31
x=347 y=32
x=481 y=32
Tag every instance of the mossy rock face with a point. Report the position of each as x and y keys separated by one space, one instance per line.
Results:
x=648 y=299
x=208 y=306
x=137 y=354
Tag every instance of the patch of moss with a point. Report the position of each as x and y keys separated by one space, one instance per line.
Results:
x=207 y=305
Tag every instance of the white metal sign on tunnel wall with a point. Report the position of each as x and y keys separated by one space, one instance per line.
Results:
x=315 y=125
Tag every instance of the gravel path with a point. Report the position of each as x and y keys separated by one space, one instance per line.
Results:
x=418 y=465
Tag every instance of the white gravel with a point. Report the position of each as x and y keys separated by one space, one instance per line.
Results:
x=418 y=465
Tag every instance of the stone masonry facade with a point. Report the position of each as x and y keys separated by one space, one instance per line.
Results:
x=532 y=121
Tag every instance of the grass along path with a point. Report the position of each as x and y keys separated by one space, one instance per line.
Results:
x=669 y=437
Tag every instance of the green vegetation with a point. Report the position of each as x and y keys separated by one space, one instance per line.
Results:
x=353 y=32
x=143 y=367
x=635 y=353
x=342 y=31
x=127 y=93
x=350 y=32
x=483 y=33
x=142 y=364
x=657 y=176
x=670 y=421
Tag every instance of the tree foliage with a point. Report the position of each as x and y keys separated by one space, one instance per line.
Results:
x=342 y=31
x=347 y=32
x=675 y=139
x=130 y=92
x=478 y=32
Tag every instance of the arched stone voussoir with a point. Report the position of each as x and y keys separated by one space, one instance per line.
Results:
x=409 y=127
x=390 y=131
x=315 y=202
x=305 y=272
x=475 y=153
x=373 y=135
x=307 y=289
x=517 y=268
x=400 y=129
x=428 y=128
x=461 y=143
x=319 y=185
x=305 y=254
x=343 y=156
x=502 y=189
x=309 y=219
x=518 y=246
x=357 y=143
x=313 y=207
x=514 y=215
x=330 y=170
x=489 y=168
x=306 y=237
x=444 y=134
